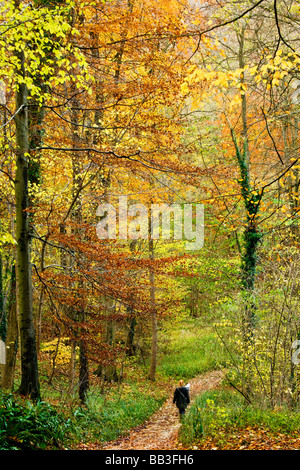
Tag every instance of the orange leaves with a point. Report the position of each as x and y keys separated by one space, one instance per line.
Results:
x=251 y=438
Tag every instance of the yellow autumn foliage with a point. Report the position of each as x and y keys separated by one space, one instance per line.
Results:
x=59 y=349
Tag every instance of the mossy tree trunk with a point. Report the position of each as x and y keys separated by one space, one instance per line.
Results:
x=251 y=238
x=29 y=363
x=252 y=235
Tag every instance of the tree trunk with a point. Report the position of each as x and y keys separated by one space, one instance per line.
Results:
x=36 y=115
x=77 y=232
x=252 y=235
x=12 y=336
x=108 y=371
x=29 y=364
x=2 y=312
x=72 y=364
x=129 y=344
x=3 y=320
x=153 y=362
x=83 y=372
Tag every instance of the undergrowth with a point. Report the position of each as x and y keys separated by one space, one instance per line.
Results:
x=219 y=413
x=107 y=418
x=189 y=350
x=28 y=426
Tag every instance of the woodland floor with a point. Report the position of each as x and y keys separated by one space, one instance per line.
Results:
x=160 y=432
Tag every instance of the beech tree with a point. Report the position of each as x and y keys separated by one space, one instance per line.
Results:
x=29 y=384
x=22 y=50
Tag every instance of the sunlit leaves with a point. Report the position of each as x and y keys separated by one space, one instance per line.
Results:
x=41 y=33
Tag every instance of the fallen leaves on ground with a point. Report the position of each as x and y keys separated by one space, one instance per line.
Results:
x=255 y=438
x=160 y=432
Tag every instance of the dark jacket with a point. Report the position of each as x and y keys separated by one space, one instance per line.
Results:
x=181 y=397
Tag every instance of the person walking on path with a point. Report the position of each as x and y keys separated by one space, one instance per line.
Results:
x=182 y=397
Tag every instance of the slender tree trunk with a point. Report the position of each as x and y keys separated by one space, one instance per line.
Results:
x=7 y=379
x=108 y=372
x=77 y=218
x=241 y=39
x=290 y=126
x=72 y=364
x=29 y=363
x=153 y=362
x=83 y=372
x=36 y=115
x=3 y=321
x=2 y=312
x=252 y=234
x=129 y=344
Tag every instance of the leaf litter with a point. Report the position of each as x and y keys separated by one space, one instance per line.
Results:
x=161 y=431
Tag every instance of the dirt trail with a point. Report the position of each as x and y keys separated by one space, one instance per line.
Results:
x=161 y=430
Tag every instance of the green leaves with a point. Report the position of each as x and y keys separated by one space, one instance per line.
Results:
x=27 y=426
x=44 y=35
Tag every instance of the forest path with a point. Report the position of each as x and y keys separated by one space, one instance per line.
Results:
x=160 y=432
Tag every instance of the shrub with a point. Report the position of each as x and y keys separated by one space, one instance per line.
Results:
x=24 y=425
x=211 y=412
